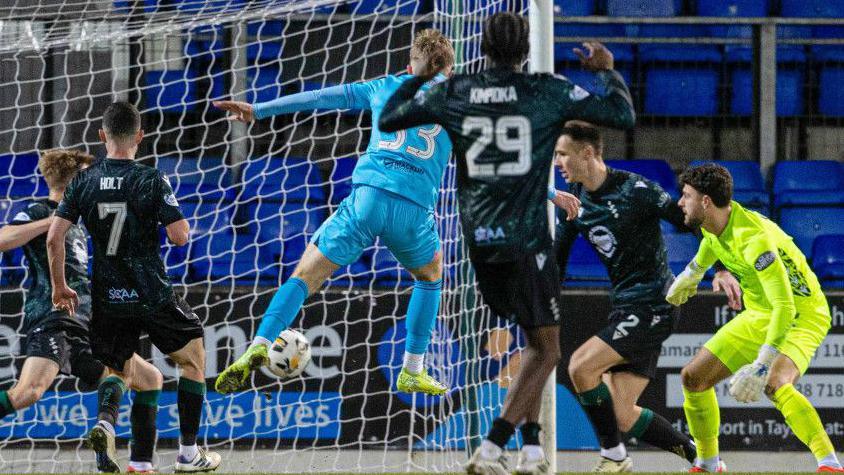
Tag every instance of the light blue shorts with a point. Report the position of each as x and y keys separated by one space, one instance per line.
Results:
x=408 y=230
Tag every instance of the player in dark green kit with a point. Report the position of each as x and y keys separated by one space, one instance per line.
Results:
x=503 y=124
x=57 y=341
x=122 y=203
x=620 y=216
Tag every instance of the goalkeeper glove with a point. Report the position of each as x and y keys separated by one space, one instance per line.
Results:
x=749 y=381
x=685 y=285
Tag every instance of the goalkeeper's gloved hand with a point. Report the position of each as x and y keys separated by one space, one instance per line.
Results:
x=748 y=384
x=685 y=285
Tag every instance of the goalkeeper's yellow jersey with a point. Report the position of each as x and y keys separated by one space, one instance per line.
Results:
x=774 y=275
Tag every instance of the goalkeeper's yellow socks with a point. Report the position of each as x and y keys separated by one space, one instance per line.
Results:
x=6 y=407
x=805 y=423
x=704 y=418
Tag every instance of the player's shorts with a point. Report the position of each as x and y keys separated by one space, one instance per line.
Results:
x=526 y=290
x=408 y=230
x=115 y=337
x=737 y=343
x=637 y=333
x=68 y=346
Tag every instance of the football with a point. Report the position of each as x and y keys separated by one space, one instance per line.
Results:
x=289 y=354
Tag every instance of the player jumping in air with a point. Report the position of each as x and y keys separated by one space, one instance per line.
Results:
x=620 y=215
x=57 y=341
x=122 y=203
x=769 y=345
x=503 y=124
x=396 y=183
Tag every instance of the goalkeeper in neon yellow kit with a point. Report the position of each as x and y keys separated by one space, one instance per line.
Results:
x=767 y=346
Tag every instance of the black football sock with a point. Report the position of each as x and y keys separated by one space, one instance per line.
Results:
x=530 y=433
x=657 y=431
x=144 y=430
x=500 y=432
x=597 y=403
x=190 y=398
x=109 y=393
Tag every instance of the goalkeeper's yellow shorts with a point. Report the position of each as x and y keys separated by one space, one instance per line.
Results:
x=737 y=343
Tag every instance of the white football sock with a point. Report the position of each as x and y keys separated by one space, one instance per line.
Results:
x=188 y=452
x=533 y=452
x=489 y=450
x=259 y=340
x=617 y=453
x=414 y=364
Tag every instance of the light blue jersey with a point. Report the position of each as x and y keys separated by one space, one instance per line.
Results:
x=409 y=163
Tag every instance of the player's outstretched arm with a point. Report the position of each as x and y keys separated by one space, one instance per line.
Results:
x=402 y=111
x=13 y=236
x=63 y=296
x=615 y=108
x=344 y=96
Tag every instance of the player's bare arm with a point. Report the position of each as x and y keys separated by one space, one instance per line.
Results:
x=63 y=296
x=13 y=237
x=238 y=111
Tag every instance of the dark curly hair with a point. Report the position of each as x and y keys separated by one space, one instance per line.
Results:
x=712 y=180
x=505 y=39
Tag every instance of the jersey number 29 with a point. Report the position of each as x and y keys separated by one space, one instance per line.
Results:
x=499 y=132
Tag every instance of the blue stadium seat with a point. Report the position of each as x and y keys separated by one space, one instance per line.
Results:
x=808 y=183
x=737 y=53
x=19 y=176
x=828 y=53
x=585 y=267
x=806 y=224
x=681 y=248
x=12 y=269
x=204 y=43
x=233 y=256
x=194 y=179
x=388 y=272
x=574 y=7
x=828 y=259
x=831 y=97
x=812 y=8
x=789 y=91
x=623 y=53
x=268 y=41
x=655 y=170
x=697 y=55
x=644 y=8
x=748 y=185
x=208 y=6
x=341 y=178
x=283 y=179
x=732 y=8
x=172 y=91
x=124 y=7
x=389 y=7
x=264 y=83
x=284 y=231
x=681 y=92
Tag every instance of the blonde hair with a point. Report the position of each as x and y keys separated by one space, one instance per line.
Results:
x=59 y=166
x=433 y=48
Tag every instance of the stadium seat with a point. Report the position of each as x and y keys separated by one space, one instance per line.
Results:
x=172 y=91
x=208 y=6
x=812 y=8
x=655 y=170
x=748 y=185
x=806 y=224
x=264 y=83
x=265 y=41
x=225 y=255
x=732 y=8
x=574 y=7
x=195 y=179
x=828 y=259
x=650 y=8
x=341 y=178
x=283 y=179
x=681 y=248
x=681 y=92
x=739 y=53
x=789 y=91
x=19 y=176
x=389 y=7
x=585 y=267
x=828 y=53
x=808 y=183
x=831 y=96
x=623 y=53
x=12 y=269
x=695 y=55
x=204 y=43
x=270 y=221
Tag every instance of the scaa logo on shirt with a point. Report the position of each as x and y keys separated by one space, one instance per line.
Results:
x=123 y=295
x=485 y=234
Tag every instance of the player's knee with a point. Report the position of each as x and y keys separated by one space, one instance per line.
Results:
x=28 y=395
x=692 y=381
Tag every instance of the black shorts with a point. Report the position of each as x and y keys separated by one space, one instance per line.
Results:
x=68 y=346
x=115 y=337
x=637 y=333
x=526 y=290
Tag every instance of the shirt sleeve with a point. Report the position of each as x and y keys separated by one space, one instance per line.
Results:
x=168 y=207
x=564 y=240
x=408 y=108
x=69 y=206
x=344 y=96
x=613 y=109
x=773 y=277
x=33 y=212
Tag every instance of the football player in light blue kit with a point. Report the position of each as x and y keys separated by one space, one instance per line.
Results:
x=396 y=184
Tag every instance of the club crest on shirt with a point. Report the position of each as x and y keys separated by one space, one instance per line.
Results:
x=764 y=260
x=603 y=240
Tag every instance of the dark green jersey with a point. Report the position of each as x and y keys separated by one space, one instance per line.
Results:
x=122 y=203
x=503 y=125
x=38 y=307
x=621 y=221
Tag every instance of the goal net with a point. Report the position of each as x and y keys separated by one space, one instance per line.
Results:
x=254 y=195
